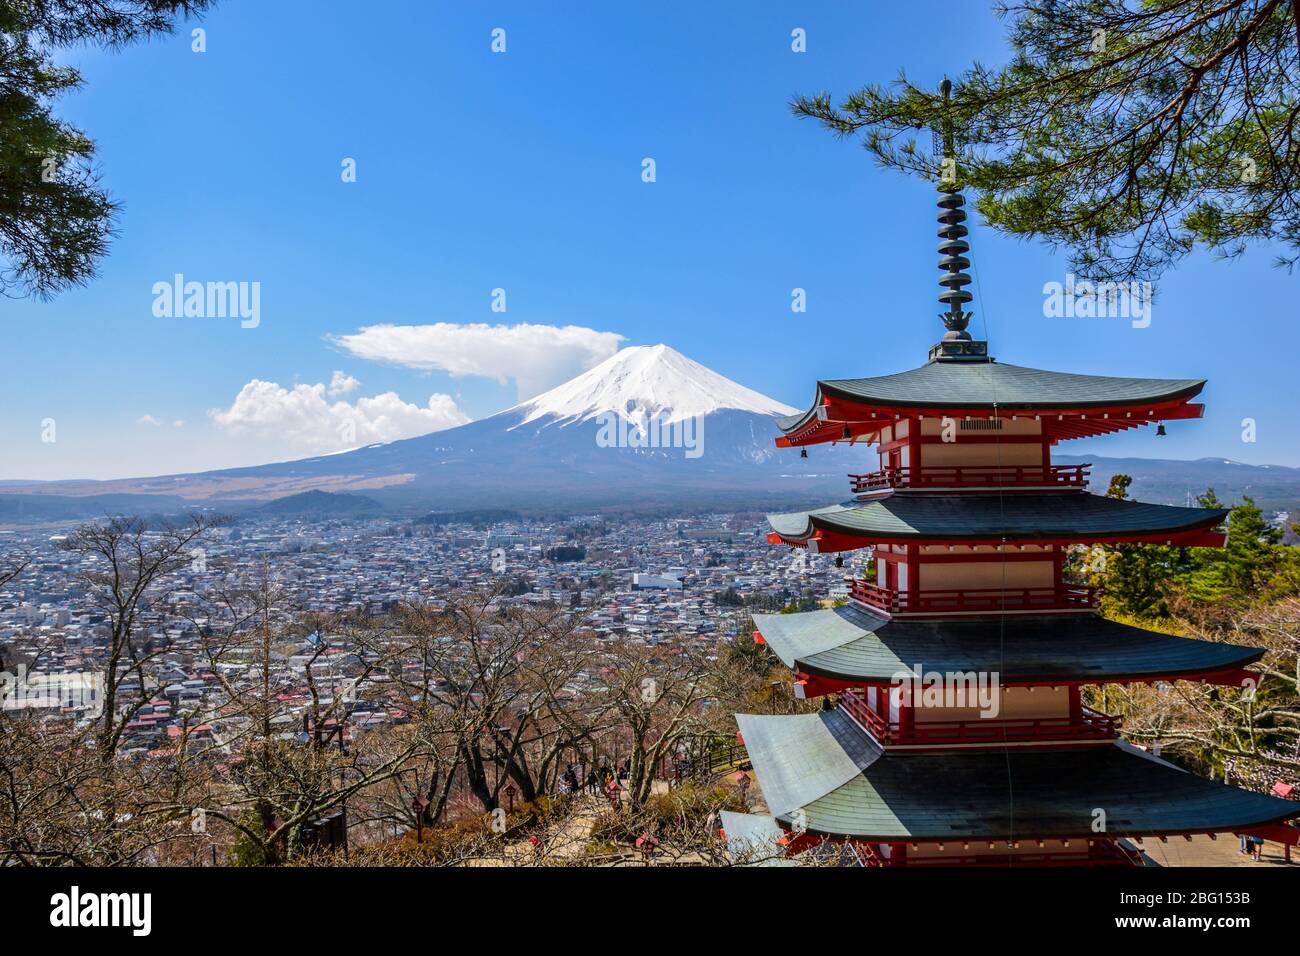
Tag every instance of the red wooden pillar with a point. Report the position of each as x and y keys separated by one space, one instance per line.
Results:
x=881 y=703
x=914 y=447
x=913 y=573
x=907 y=715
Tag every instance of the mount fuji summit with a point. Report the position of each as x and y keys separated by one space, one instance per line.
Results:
x=646 y=381
x=646 y=427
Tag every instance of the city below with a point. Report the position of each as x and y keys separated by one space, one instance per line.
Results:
x=657 y=582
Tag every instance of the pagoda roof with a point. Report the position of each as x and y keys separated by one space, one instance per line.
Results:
x=941 y=384
x=1071 y=516
x=853 y=645
x=1014 y=793
x=799 y=759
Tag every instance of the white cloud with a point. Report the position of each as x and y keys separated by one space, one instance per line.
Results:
x=535 y=357
x=148 y=420
x=341 y=384
x=179 y=423
x=302 y=419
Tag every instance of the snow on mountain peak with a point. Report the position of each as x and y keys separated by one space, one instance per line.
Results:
x=647 y=380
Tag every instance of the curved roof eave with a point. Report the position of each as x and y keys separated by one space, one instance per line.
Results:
x=1031 y=793
x=852 y=645
x=957 y=517
x=983 y=385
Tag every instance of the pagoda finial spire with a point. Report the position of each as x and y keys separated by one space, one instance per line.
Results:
x=953 y=247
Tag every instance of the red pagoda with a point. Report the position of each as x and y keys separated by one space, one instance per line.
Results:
x=960 y=735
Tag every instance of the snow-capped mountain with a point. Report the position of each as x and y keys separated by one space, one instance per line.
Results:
x=558 y=452
x=646 y=426
x=646 y=381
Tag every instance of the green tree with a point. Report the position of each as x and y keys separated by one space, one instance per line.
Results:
x=800 y=605
x=55 y=219
x=1209 y=500
x=1136 y=576
x=1133 y=576
x=1245 y=566
x=1127 y=132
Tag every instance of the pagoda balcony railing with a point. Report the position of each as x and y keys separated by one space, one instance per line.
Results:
x=1063 y=597
x=1099 y=853
x=1089 y=725
x=972 y=476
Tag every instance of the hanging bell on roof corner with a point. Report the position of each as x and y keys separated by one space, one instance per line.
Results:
x=846 y=435
x=839 y=560
x=1160 y=430
x=803 y=452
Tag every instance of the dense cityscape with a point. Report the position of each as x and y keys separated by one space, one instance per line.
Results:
x=653 y=581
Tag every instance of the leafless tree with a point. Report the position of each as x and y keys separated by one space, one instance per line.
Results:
x=286 y=744
x=508 y=685
x=60 y=805
x=658 y=694
x=13 y=565
x=128 y=564
x=1255 y=727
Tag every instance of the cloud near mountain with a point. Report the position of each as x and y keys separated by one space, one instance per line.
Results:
x=534 y=357
x=302 y=418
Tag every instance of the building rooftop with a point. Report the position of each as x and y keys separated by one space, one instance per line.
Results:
x=823 y=772
x=981 y=385
x=851 y=644
x=1077 y=516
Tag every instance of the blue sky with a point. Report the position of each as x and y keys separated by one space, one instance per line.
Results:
x=522 y=171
